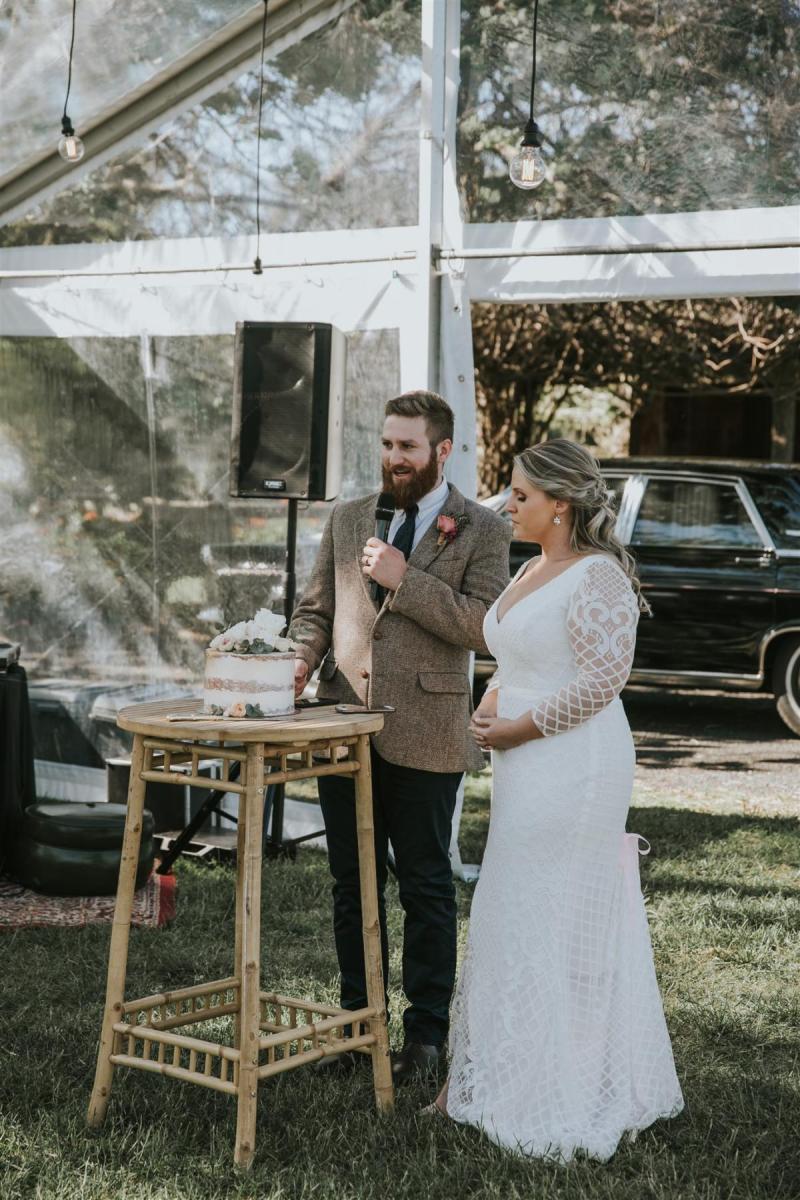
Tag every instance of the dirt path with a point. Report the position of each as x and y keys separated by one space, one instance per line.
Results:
x=713 y=750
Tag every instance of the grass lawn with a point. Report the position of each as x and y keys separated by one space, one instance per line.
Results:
x=724 y=900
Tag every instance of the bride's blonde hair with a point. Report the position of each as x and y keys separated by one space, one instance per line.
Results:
x=567 y=471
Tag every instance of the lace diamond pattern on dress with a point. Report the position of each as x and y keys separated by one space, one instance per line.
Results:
x=558 y=1044
x=601 y=625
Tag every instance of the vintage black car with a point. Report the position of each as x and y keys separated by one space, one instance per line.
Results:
x=717 y=545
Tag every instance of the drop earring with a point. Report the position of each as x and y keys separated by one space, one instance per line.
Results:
x=556 y=519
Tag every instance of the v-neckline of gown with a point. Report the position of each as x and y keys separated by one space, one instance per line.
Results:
x=535 y=591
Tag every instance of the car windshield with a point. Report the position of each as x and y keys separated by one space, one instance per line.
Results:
x=778 y=501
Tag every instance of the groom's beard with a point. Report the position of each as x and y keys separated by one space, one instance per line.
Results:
x=409 y=489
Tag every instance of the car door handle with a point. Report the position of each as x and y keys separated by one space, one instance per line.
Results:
x=763 y=560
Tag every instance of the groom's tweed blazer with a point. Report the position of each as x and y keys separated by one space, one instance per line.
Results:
x=414 y=652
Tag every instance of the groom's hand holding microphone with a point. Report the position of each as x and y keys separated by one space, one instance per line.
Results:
x=383 y=564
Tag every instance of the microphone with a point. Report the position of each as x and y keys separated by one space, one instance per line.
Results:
x=384 y=514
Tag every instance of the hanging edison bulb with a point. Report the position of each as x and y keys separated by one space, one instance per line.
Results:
x=527 y=168
x=70 y=146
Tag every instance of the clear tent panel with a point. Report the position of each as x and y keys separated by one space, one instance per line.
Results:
x=339 y=147
x=122 y=551
x=119 y=45
x=645 y=106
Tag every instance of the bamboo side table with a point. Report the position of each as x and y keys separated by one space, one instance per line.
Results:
x=271 y=1033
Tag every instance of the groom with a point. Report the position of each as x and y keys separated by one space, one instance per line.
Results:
x=443 y=566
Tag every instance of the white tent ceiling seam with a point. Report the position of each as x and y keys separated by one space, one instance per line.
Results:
x=204 y=70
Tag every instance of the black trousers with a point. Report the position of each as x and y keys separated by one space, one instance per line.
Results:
x=414 y=811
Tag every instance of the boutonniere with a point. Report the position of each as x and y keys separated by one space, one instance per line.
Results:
x=450 y=527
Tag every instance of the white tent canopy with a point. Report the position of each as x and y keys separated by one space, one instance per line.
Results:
x=418 y=279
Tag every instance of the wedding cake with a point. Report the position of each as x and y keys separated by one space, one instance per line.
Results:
x=250 y=670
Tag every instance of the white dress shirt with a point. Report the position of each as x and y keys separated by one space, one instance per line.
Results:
x=430 y=505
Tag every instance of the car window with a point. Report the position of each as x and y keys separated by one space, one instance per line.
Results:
x=778 y=501
x=616 y=485
x=680 y=512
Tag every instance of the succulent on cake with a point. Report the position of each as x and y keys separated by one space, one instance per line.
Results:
x=261 y=635
x=236 y=710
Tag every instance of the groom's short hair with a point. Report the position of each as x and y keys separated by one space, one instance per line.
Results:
x=438 y=414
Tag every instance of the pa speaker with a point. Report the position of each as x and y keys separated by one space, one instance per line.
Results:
x=288 y=405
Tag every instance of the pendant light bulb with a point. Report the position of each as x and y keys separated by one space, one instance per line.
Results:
x=70 y=146
x=527 y=169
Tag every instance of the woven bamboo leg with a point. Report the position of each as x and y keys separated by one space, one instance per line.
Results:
x=241 y=832
x=118 y=952
x=248 y=967
x=376 y=995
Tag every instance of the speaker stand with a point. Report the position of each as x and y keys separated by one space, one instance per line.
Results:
x=275 y=846
x=291 y=561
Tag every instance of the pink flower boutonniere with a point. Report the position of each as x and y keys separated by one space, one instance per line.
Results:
x=450 y=527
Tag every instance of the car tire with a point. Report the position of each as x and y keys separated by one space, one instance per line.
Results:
x=786 y=683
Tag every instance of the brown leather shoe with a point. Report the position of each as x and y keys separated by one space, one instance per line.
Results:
x=415 y=1061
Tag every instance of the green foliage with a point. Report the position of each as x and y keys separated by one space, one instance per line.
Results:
x=531 y=359
x=333 y=104
x=645 y=105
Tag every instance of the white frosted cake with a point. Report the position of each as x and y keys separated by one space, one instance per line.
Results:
x=249 y=685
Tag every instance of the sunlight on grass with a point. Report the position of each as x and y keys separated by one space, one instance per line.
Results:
x=724 y=901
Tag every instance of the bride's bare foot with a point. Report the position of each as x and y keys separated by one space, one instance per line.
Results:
x=440 y=1102
x=439 y=1106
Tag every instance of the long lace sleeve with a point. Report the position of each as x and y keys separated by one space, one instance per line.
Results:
x=601 y=623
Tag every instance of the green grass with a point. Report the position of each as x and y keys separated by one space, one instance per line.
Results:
x=724 y=901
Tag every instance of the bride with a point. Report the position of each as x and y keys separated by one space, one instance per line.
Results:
x=558 y=1044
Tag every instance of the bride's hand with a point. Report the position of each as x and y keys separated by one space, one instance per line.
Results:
x=487 y=706
x=496 y=733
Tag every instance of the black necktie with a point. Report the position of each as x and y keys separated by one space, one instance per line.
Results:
x=403 y=540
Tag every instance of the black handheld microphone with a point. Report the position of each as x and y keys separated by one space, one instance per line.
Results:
x=384 y=514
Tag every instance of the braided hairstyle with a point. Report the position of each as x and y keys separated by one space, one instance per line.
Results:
x=566 y=471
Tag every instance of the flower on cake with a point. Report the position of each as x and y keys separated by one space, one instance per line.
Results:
x=261 y=635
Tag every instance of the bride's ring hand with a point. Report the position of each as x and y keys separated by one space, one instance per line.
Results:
x=499 y=733
x=478 y=732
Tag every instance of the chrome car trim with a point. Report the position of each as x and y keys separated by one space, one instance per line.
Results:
x=629 y=505
x=790 y=693
x=692 y=476
x=699 y=679
x=770 y=636
x=754 y=515
x=721 y=679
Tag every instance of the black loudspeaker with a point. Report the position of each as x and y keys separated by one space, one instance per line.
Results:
x=288 y=405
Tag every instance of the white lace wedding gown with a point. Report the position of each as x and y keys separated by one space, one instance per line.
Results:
x=558 y=1042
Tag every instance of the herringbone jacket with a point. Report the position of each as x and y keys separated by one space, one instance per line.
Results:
x=413 y=653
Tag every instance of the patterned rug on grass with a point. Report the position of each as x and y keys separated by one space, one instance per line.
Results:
x=153 y=905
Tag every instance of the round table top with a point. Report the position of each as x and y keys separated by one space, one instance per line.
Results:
x=162 y=718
